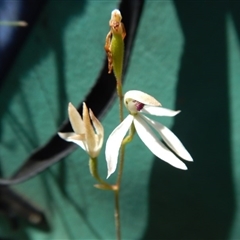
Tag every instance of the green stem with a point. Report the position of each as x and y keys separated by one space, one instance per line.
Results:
x=93 y=166
x=117 y=191
x=126 y=140
x=119 y=178
x=117 y=215
x=120 y=96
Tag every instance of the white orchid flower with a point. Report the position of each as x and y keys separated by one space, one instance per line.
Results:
x=86 y=135
x=138 y=102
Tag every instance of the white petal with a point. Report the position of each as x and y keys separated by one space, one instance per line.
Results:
x=73 y=137
x=98 y=127
x=141 y=97
x=154 y=145
x=159 y=111
x=75 y=119
x=89 y=132
x=114 y=143
x=97 y=148
x=170 y=138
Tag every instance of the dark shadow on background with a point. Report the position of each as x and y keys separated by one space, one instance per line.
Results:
x=49 y=37
x=198 y=203
x=20 y=214
x=133 y=11
x=234 y=10
x=28 y=11
x=55 y=31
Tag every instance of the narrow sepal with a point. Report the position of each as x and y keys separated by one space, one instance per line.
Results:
x=114 y=143
x=159 y=111
x=73 y=137
x=75 y=119
x=155 y=145
x=170 y=139
x=89 y=131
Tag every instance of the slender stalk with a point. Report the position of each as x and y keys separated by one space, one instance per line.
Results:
x=121 y=163
x=122 y=151
x=93 y=166
x=14 y=23
x=119 y=178
x=120 y=96
x=117 y=214
x=120 y=170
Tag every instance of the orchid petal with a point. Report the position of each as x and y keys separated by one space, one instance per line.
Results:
x=154 y=145
x=159 y=111
x=98 y=127
x=170 y=139
x=75 y=119
x=73 y=137
x=89 y=131
x=114 y=142
x=141 y=97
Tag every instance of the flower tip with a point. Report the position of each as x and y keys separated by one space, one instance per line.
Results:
x=116 y=14
x=141 y=97
x=71 y=109
x=85 y=107
x=184 y=154
x=97 y=124
x=178 y=111
x=181 y=166
x=70 y=105
x=91 y=114
x=61 y=135
x=109 y=174
x=189 y=158
x=110 y=171
x=85 y=111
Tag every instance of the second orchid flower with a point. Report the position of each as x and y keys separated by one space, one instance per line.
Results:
x=138 y=102
x=86 y=135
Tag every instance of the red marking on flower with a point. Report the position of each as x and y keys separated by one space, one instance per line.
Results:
x=139 y=106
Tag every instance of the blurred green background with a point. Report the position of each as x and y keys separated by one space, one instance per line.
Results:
x=186 y=55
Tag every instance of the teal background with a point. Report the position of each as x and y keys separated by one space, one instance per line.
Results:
x=186 y=55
